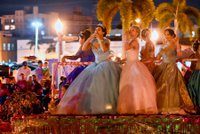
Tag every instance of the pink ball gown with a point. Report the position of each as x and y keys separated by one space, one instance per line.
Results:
x=137 y=93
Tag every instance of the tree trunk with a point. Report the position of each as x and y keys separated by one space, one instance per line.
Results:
x=176 y=25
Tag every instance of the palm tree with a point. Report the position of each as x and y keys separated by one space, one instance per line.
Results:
x=143 y=10
x=129 y=10
x=179 y=13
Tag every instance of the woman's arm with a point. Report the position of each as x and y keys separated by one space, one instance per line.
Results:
x=159 y=55
x=178 y=47
x=73 y=57
x=87 y=45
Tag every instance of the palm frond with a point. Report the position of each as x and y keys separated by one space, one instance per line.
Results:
x=163 y=7
x=126 y=13
x=185 y=23
x=193 y=13
x=106 y=10
x=143 y=10
x=166 y=21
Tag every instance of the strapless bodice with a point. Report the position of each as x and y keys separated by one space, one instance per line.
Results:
x=132 y=55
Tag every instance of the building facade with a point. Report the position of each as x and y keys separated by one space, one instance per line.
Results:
x=19 y=26
x=8 y=48
x=20 y=23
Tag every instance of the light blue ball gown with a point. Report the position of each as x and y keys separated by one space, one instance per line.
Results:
x=95 y=90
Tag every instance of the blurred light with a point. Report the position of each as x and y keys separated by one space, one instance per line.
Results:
x=179 y=65
x=69 y=34
x=42 y=32
x=36 y=24
x=154 y=35
x=119 y=55
x=193 y=33
x=117 y=34
x=137 y=20
x=12 y=27
x=59 y=26
x=188 y=63
x=6 y=27
x=108 y=107
x=12 y=21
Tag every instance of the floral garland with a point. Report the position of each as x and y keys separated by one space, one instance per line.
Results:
x=74 y=63
x=21 y=103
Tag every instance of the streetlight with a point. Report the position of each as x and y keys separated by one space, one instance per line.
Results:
x=36 y=24
x=137 y=20
x=59 y=31
x=154 y=35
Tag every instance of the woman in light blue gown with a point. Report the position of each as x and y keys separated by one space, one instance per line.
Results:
x=95 y=90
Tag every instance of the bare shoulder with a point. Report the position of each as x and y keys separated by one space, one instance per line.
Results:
x=134 y=44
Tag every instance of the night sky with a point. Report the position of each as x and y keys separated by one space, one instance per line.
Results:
x=88 y=6
x=63 y=6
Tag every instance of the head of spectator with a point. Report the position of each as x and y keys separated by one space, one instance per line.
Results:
x=25 y=64
x=46 y=64
x=40 y=63
x=12 y=80
x=22 y=76
x=30 y=78
x=34 y=77
x=62 y=78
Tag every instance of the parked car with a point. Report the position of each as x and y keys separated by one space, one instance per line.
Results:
x=17 y=66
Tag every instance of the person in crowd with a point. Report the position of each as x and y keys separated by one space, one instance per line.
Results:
x=30 y=83
x=148 y=51
x=137 y=94
x=172 y=94
x=46 y=71
x=85 y=56
x=25 y=70
x=39 y=71
x=4 y=92
x=21 y=83
x=95 y=90
x=61 y=84
x=36 y=87
x=46 y=93
x=194 y=80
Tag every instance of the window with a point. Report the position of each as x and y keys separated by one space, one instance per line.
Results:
x=8 y=46
x=4 y=46
x=13 y=46
x=12 y=27
x=6 y=27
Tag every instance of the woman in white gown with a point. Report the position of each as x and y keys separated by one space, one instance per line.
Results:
x=137 y=93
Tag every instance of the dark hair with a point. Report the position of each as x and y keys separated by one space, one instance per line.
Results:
x=145 y=33
x=85 y=34
x=24 y=63
x=46 y=62
x=171 y=32
x=196 y=45
x=39 y=62
x=103 y=29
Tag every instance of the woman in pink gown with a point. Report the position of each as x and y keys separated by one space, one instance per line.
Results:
x=137 y=93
